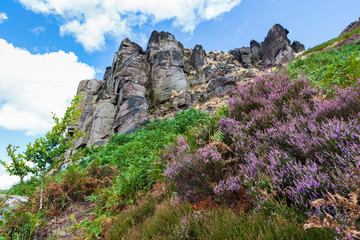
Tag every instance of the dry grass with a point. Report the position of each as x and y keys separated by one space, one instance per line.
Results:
x=349 y=205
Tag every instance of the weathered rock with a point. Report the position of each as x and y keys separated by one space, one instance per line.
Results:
x=107 y=73
x=255 y=51
x=297 y=46
x=209 y=72
x=103 y=120
x=285 y=55
x=219 y=87
x=198 y=58
x=103 y=115
x=132 y=114
x=158 y=77
x=351 y=27
x=85 y=126
x=183 y=100
x=167 y=63
x=243 y=55
x=88 y=89
x=199 y=78
x=131 y=78
x=275 y=41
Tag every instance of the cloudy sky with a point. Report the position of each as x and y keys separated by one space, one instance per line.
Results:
x=48 y=46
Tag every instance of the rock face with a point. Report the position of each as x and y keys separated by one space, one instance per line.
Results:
x=146 y=84
x=92 y=121
x=167 y=62
x=129 y=81
x=351 y=27
x=243 y=55
x=119 y=103
x=255 y=50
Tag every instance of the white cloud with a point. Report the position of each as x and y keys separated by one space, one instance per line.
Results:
x=3 y=17
x=34 y=85
x=6 y=181
x=91 y=21
x=37 y=30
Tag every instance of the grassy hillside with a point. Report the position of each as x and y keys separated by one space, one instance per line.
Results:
x=281 y=161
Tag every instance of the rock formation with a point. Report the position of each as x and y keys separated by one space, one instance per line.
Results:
x=276 y=48
x=141 y=85
x=167 y=62
x=119 y=103
x=198 y=58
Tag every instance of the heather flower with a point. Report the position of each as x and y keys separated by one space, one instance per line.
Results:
x=230 y=185
x=192 y=173
x=291 y=144
x=209 y=155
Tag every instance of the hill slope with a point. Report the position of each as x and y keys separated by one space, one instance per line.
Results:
x=282 y=156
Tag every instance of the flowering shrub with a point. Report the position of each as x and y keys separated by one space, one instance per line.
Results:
x=192 y=173
x=228 y=190
x=289 y=141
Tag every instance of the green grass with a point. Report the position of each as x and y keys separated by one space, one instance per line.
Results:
x=333 y=68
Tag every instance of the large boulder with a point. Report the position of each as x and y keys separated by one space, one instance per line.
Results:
x=219 y=87
x=255 y=50
x=275 y=42
x=297 y=46
x=209 y=73
x=243 y=55
x=285 y=55
x=351 y=27
x=198 y=58
x=167 y=62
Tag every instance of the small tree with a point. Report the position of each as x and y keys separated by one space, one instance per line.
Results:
x=18 y=165
x=45 y=149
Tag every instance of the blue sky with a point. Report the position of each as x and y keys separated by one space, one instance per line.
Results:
x=48 y=46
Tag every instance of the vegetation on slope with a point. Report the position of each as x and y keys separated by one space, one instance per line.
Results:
x=279 y=156
x=333 y=64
